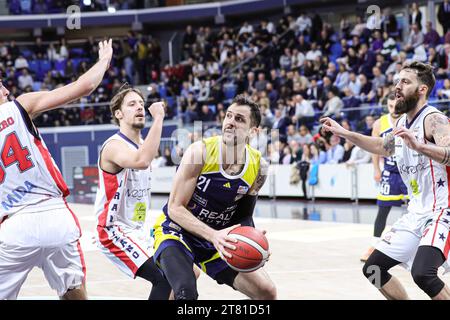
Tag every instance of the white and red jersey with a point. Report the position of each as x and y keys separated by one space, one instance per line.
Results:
x=123 y=197
x=427 y=180
x=29 y=176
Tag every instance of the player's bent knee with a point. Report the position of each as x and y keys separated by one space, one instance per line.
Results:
x=376 y=275
x=428 y=282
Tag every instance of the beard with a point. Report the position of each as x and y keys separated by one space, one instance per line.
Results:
x=408 y=103
x=139 y=126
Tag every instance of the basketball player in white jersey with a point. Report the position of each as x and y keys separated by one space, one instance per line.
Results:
x=392 y=189
x=123 y=196
x=421 y=143
x=37 y=227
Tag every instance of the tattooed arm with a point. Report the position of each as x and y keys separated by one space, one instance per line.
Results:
x=260 y=179
x=437 y=128
x=246 y=205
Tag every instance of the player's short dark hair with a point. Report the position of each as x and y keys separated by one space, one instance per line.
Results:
x=255 y=113
x=424 y=72
x=117 y=100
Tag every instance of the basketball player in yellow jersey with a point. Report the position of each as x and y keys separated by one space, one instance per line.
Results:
x=214 y=191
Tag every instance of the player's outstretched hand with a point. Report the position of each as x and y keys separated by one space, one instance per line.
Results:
x=332 y=126
x=105 y=50
x=221 y=240
x=408 y=137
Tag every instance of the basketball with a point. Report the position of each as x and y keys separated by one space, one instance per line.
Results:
x=252 y=249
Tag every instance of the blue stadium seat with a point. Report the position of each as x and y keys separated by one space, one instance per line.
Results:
x=26 y=53
x=229 y=92
x=170 y=101
x=76 y=62
x=25 y=6
x=60 y=65
x=212 y=107
x=162 y=91
x=336 y=49
x=14 y=6
x=45 y=66
x=37 y=85
x=76 y=52
x=438 y=86
x=33 y=66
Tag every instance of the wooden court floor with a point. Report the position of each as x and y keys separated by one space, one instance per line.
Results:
x=311 y=260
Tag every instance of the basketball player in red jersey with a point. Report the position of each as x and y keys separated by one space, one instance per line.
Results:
x=37 y=227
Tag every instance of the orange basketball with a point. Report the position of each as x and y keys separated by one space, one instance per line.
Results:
x=252 y=249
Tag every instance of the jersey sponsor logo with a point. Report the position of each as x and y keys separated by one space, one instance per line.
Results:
x=242 y=190
x=174 y=226
x=200 y=200
x=16 y=195
x=6 y=123
x=216 y=218
x=138 y=193
x=388 y=236
x=413 y=169
x=140 y=210
x=414 y=187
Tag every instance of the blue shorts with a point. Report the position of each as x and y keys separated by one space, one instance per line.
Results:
x=203 y=253
x=392 y=190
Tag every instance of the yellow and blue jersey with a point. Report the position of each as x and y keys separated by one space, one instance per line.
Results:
x=214 y=202
x=386 y=127
x=217 y=193
x=392 y=189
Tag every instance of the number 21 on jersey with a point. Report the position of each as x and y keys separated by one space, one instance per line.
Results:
x=203 y=183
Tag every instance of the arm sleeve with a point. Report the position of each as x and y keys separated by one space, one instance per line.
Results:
x=244 y=211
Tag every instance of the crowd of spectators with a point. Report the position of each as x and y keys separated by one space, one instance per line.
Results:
x=21 y=7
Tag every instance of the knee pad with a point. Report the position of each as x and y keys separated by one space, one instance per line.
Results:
x=186 y=294
x=376 y=268
x=376 y=275
x=429 y=283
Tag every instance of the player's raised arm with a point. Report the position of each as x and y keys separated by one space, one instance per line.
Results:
x=140 y=159
x=184 y=185
x=382 y=146
x=37 y=102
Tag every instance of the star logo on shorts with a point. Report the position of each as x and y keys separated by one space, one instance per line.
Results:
x=445 y=220
x=441 y=236
x=440 y=183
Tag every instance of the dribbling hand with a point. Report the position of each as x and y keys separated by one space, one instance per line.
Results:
x=221 y=240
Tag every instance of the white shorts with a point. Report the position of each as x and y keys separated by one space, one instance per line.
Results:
x=127 y=248
x=48 y=240
x=411 y=231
